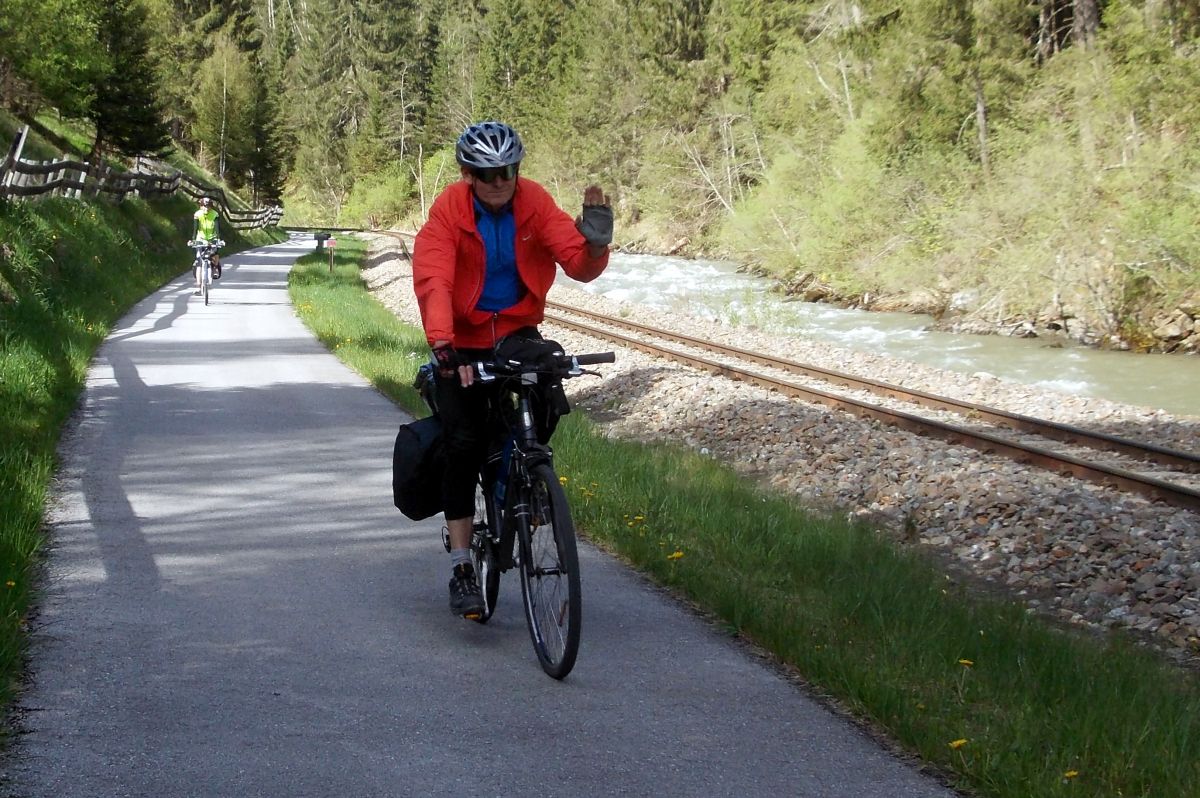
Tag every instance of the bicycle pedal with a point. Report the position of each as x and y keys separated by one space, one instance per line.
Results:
x=472 y=616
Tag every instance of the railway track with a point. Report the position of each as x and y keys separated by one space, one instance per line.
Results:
x=1155 y=472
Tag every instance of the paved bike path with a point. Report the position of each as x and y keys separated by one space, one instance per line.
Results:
x=234 y=608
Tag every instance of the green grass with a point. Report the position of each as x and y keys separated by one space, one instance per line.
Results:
x=68 y=271
x=878 y=628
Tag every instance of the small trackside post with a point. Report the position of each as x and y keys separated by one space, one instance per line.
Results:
x=331 y=243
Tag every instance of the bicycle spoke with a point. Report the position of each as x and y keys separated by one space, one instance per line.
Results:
x=483 y=552
x=550 y=575
x=553 y=607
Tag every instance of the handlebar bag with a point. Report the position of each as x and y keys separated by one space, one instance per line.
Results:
x=549 y=401
x=418 y=460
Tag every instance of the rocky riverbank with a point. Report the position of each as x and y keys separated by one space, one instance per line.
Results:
x=1093 y=557
x=1174 y=329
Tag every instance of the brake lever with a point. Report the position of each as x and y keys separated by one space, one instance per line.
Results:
x=482 y=374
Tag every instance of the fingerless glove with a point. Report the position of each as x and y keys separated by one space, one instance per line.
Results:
x=596 y=224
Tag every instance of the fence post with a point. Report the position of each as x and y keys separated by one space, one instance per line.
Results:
x=14 y=155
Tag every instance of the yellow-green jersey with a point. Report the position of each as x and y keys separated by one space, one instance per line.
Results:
x=206 y=224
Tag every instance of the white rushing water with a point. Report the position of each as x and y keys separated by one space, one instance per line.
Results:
x=715 y=290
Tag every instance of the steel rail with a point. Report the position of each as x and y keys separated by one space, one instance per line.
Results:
x=1172 y=458
x=1109 y=476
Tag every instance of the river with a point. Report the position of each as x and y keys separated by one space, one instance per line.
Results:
x=716 y=290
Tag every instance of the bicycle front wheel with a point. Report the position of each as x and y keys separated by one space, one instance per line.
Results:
x=550 y=573
x=483 y=550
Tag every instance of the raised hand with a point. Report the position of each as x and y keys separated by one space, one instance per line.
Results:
x=596 y=221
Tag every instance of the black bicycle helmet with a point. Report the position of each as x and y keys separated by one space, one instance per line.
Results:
x=489 y=144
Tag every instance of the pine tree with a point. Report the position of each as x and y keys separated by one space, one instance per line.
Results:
x=126 y=109
x=322 y=120
x=517 y=64
x=454 y=92
x=384 y=59
x=272 y=150
x=428 y=34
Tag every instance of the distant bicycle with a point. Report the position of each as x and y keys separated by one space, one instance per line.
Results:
x=202 y=264
x=521 y=514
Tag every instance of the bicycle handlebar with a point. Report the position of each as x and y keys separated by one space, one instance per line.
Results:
x=559 y=365
x=598 y=357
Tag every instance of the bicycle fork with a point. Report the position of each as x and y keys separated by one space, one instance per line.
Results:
x=526 y=454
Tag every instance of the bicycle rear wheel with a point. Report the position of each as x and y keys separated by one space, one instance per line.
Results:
x=550 y=573
x=483 y=550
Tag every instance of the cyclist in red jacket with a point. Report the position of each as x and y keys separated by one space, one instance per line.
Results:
x=482 y=265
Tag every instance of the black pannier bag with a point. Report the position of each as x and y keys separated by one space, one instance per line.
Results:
x=417 y=464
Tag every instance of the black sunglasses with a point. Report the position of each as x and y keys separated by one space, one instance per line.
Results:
x=488 y=174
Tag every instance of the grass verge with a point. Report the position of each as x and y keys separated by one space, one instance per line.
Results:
x=68 y=270
x=1008 y=705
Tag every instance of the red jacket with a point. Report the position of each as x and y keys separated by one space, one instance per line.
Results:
x=449 y=263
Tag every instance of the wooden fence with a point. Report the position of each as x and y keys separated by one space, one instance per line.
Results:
x=20 y=178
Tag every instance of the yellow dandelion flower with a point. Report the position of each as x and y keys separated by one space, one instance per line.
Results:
x=639 y=518
x=966 y=663
x=675 y=555
x=563 y=480
x=10 y=583
x=1070 y=774
x=921 y=706
x=956 y=744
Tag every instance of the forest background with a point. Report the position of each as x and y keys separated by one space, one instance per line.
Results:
x=1001 y=164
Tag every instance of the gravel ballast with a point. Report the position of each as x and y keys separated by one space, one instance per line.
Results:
x=1086 y=554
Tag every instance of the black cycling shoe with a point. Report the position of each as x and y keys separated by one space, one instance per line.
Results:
x=465 y=598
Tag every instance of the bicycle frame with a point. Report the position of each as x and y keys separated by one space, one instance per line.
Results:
x=515 y=418
x=533 y=522
x=512 y=419
x=202 y=263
